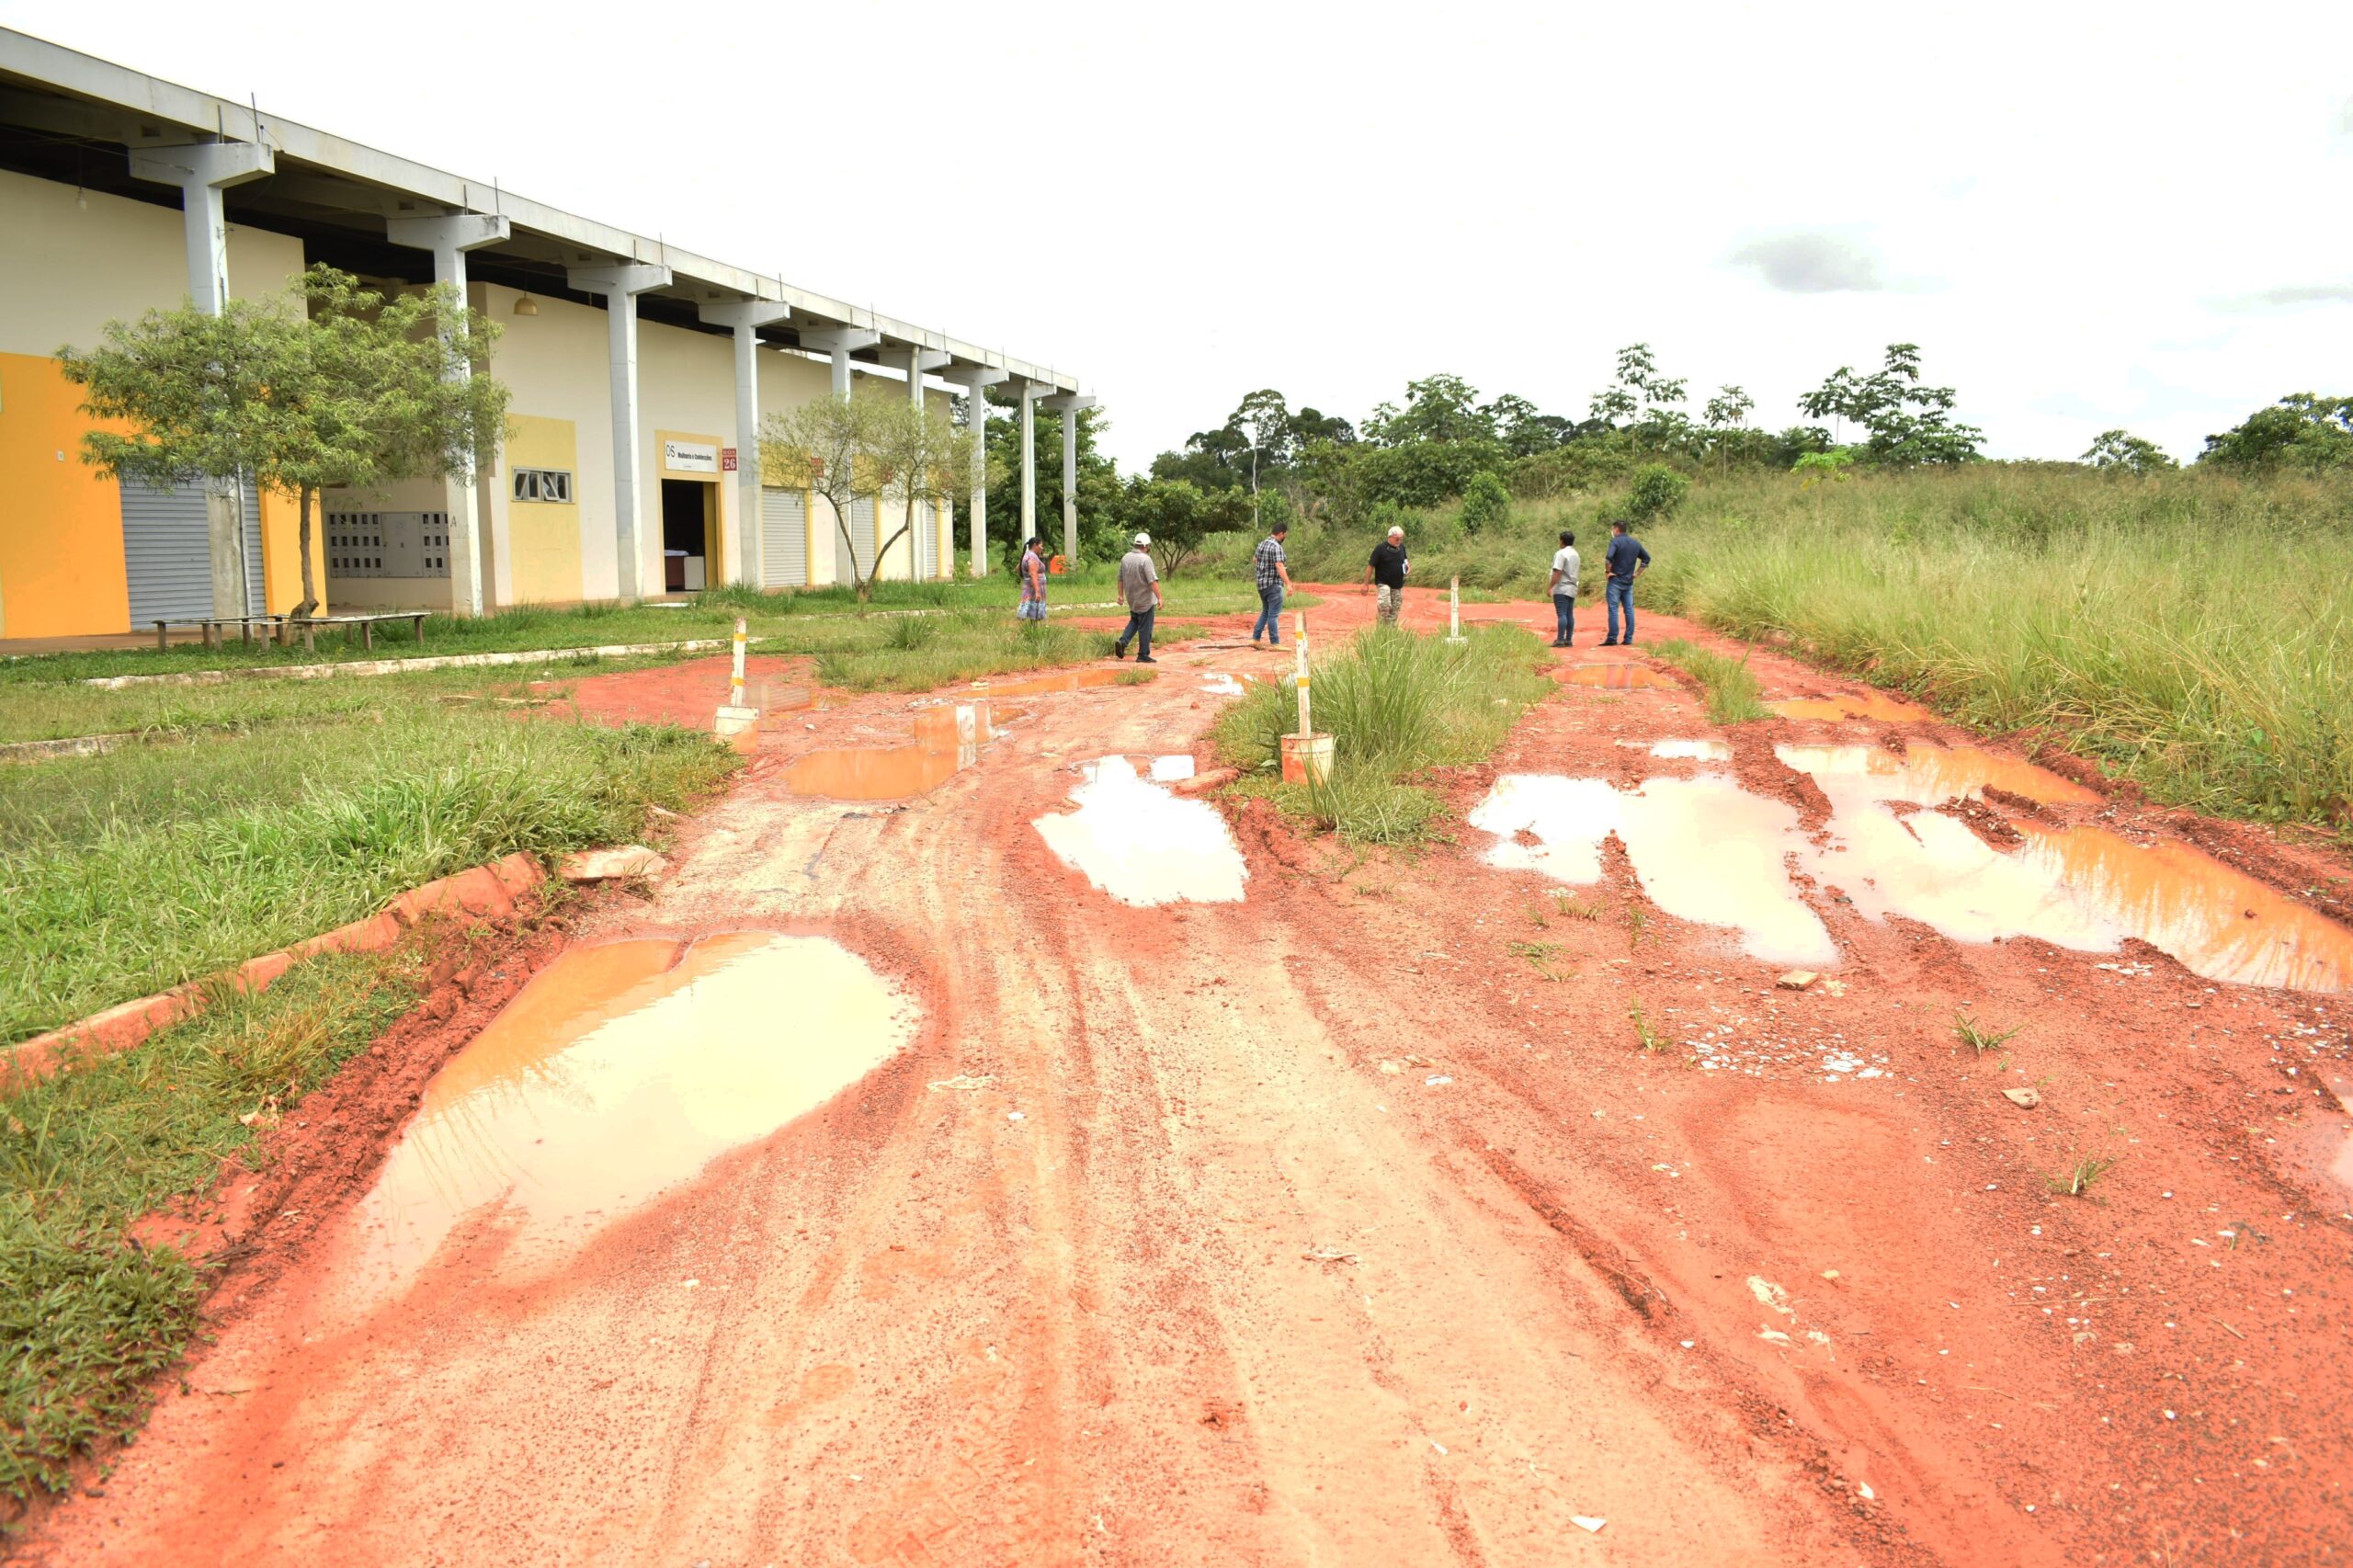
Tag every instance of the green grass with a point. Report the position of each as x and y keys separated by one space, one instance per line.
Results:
x=1732 y=689
x=87 y=1318
x=1979 y=1037
x=2191 y=632
x=126 y=873
x=1397 y=705
x=918 y=655
x=2077 y=1179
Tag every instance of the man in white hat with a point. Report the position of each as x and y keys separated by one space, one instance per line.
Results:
x=1139 y=588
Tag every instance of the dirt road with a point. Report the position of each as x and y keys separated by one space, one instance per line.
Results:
x=1352 y=1223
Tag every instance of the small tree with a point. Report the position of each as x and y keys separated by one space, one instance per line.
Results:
x=824 y=444
x=332 y=386
x=2122 y=448
x=1654 y=492
x=922 y=453
x=1179 y=516
x=1486 y=502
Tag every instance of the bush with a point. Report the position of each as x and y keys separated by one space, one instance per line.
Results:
x=1655 y=493
x=1485 y=501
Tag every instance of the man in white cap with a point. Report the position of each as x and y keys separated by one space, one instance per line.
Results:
x=1139 y=589
x=1385 y=575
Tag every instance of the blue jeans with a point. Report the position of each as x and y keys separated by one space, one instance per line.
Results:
x=1140 y=629
x=1613 y=594
x=1270 y=616
x=1564 y=615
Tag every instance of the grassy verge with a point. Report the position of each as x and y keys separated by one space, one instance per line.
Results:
x=916 y=654
x=2192 y=632
x=1732 y=689
x=88 y=1318
x=122 y=874
x=1397 y=705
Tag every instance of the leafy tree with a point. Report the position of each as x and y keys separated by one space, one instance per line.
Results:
x=1908 y=423
x=1646 y=401
x=1816 y=468
x=1524 y=430
x=832 y=444
x=1265 y=419
x=1437 y=408
x=921 y=454
x=1486 y=502
x=1654 y=492
x=2300 y=430
x=1179 y=517
x=1098 y=484
x=2122 y=448
x=330 y=386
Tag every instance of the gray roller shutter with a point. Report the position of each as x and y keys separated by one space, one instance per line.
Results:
x=926 y=541
x=861 y=534
x=168 y=553
x=784 y=538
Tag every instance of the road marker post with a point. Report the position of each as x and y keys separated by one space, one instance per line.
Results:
x=1307 y=757
x=1454 y=613
x=736 y=722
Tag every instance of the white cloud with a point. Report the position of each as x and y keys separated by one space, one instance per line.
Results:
x=1811 y=261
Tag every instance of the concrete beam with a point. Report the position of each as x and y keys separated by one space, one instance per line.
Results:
x=840 y=342
x=620 y=283
x=449 y=236
x=745 y=317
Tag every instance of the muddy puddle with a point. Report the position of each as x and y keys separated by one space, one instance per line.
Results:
x=1704 y=849
x=1134 y=840
x=1854 y=705
x=2085 y=888
x=1684 y=751
x=1622 y=677
x=1065 y=680
x=621 y=1071
x=947 y=741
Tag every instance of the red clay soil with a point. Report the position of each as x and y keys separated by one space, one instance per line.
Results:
x=1330 y=1230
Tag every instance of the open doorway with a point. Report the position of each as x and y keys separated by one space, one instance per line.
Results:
x=689 y=548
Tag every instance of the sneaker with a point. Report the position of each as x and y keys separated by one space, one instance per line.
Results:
x=1118 y=649
x=1147 y=659
x=1608 y=642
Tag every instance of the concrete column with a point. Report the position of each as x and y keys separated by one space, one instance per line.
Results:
x=840 y=342
x=973 y=379
x=917 y=360
x=1028 y=460
x=746 y=317
x=450 y=238
x=620 y=283
x=1070 y=406
x=202 y=171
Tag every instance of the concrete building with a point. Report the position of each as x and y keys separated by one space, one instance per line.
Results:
x=640 y=375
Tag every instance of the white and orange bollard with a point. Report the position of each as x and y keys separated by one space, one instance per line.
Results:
x=1454 y=611
x=736 y=723
x=1307 y=757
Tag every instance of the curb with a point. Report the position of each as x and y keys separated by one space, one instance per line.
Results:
x=75 y=745
x=486 y=893
x=395 y=666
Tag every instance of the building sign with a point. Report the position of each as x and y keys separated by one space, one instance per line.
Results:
x=727 y=459
x=691 y=457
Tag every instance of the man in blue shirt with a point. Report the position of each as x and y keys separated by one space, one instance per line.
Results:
x=1626 y=560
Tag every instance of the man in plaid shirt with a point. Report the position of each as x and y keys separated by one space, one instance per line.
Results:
x=1273 y=579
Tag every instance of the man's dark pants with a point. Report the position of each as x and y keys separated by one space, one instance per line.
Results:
x=1139 y=632
x=1564 y=614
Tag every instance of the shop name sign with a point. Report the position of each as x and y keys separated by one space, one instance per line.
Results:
x=691 y=457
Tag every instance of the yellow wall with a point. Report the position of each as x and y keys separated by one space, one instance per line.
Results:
x=61 y=524
x=543 y=535
x=281 y=561
x=67 y=267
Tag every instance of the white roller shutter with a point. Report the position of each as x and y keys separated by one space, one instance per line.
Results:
x=257 y=594
x=927 y=531
x=861 y=536
x=784 y=538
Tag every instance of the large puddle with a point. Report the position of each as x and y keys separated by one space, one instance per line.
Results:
x=1705 y=850
x=1141 y=844
x=621 y=1071
x=1854 y=705
x=2085 y=888
x=1620 y=678
x=946 y=740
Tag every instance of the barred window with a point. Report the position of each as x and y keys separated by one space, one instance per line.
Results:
x=543 y=484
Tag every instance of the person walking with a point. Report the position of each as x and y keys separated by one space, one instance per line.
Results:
x=1627 y=560
x=1033 y=582
x=1385 y=574
x=1140 y=591
x=1565 y=566
x=1274 y=576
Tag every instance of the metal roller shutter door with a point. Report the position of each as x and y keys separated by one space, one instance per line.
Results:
x=784 y=538
x=927 y=532
x=861 y=534
x=167 y=552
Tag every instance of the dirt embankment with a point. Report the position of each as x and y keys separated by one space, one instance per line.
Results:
x=1353 y=1223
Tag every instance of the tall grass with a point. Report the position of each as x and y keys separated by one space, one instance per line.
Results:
x=126 y=873
x=1397 y=705
x=919 y=655
x=1731 y=686
x=2192 y=632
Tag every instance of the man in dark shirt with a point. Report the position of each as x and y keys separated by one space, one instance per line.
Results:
x=1385 y=574
x=1627 y=560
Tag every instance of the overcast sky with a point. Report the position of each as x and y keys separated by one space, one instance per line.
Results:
x=2088 y=215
